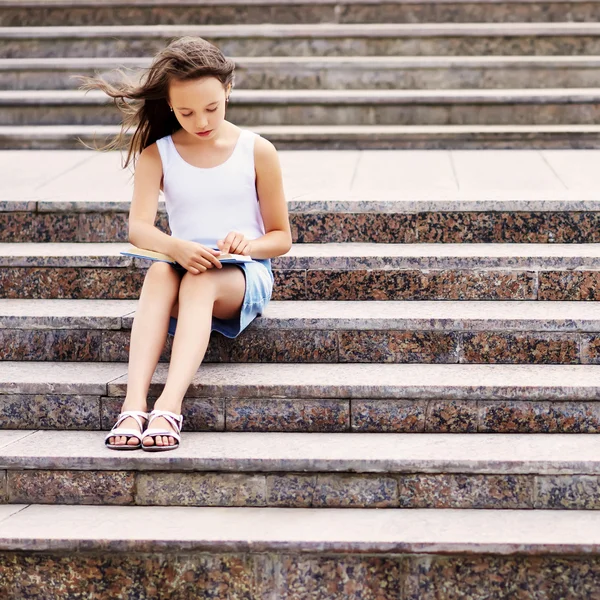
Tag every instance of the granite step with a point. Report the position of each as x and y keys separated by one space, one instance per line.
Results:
x=349 y=271
x=337 y=137
x=333 y=554
x=153 y=12
x=322 y=39
x=251 y=108
x=294 y=470
x=334 y=72
x=547 y=217
x=324 y=332
x=316 y=398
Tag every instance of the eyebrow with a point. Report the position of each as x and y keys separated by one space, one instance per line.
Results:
x=184 y=108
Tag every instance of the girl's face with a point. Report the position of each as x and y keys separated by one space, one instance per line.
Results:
x=199 y=105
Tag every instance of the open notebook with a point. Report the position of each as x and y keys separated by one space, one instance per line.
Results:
x=151 y=255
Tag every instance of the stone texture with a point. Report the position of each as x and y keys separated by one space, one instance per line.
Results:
x=291 y=490
x=201 y=489
x=495 y=577
x=569 y=285
x=346 y=490
x=567 y=491
x=310 y=228
x=465 y=491
x=3 y=488
x=49 y=411
x=289 y=284
x=255 y=345
x=29 y=344
x=287 y=414
x=388 y=416
x=543 y=348
x=451 y=416
x=398 y=346
x=341 y=578
x=538 y=417
x=71 y=487
x=174 y=576
x=36 y=227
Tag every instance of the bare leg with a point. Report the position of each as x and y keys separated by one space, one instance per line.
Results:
x=216 y=291
x=148 y=335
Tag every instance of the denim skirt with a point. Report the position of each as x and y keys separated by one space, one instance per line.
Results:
x=259 y=288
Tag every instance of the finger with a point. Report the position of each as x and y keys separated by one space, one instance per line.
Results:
x=237 y=242
x=211 y=260
x=227 y=242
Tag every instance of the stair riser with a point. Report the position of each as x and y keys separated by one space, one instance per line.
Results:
x=388 y=228
x=443 y=12
x=309 y=46
x=281 y=573
x=367 y=284
x=270 y=414
x=281 y=345
x=338 y=78
x=302 y=490
x=32 y=140
x=315 y=114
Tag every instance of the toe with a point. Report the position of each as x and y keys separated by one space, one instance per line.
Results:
x=133 y=441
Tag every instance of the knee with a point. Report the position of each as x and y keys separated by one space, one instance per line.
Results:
x=204 y=281
x=161 y=273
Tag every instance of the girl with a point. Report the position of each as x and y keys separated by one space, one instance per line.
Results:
x=224 y=193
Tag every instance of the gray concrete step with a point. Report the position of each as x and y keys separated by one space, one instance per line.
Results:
x=153 y=12
x=324 y=332
x=326 y=397
x=299 y=471
x=351 y=137
x=350 y=271
x=334 y=72
x=323 y=39
x=255 y=552
x=255 y=108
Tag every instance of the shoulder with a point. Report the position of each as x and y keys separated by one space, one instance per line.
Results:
x=265 y=153
x=149 y=161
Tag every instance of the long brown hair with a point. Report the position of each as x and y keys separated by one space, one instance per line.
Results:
x=144 y=104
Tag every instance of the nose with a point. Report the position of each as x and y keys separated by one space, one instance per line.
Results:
x=201 y=124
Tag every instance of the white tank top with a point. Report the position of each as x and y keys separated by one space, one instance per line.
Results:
x=204 y=205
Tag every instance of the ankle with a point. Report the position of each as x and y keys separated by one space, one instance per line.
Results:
x=132 y=404
x=166 y=404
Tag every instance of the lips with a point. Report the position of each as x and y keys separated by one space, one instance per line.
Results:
x=203 y=133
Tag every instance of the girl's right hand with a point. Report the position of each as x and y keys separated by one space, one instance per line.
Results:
x=196 y=258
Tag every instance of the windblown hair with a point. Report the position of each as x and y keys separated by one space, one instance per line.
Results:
x=144 y=104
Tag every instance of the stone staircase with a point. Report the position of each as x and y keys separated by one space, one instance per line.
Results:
x=321 y=73
x=420 y=335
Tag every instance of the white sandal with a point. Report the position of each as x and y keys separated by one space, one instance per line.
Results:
x=135 y=414
x=175 y=420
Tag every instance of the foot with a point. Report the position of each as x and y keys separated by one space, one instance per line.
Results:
x=121 y=440
x=160 y=440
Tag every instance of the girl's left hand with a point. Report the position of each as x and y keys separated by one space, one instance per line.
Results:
x=235 y=243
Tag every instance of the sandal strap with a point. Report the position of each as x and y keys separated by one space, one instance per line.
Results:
x=174 y=419
x=134 y=414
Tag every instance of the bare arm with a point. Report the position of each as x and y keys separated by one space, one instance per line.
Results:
x=273 y=208
x=142 y=215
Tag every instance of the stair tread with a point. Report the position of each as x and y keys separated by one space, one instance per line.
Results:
x=495 y=453
x=345 y=256
x=439 y=315
x=352 y=62
x=130 y=528
x=360 y=96
x=312 y=30
x=320 y=380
